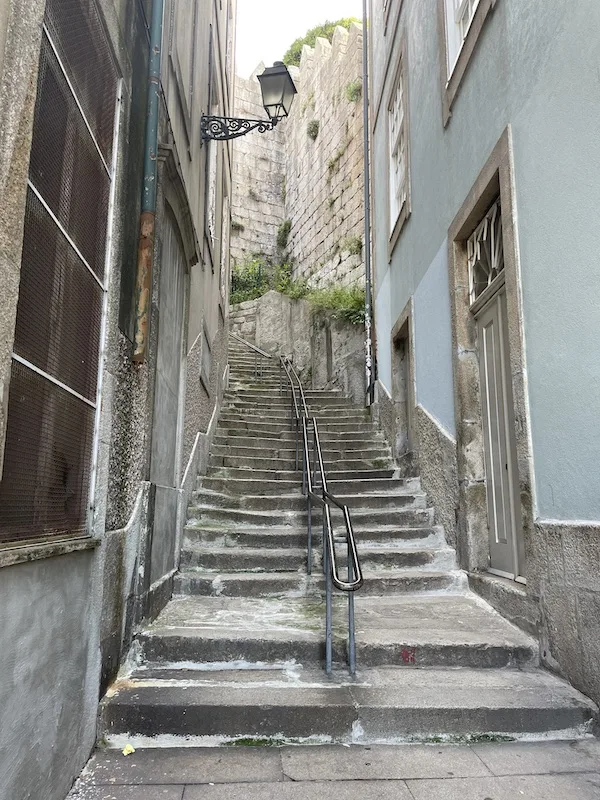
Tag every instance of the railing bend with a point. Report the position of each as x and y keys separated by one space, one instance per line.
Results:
x=316 y=491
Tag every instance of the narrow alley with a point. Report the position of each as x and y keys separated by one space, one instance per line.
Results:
x=298 y=444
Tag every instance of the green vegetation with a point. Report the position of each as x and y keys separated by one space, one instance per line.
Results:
x=312 y=129
x=283 y=234
x=354 y=91
x=346 y=302
x=353 y=245
x=257 y=276
x=253 y=195
x=333 y=164
x=325 y=31
x=237 y=227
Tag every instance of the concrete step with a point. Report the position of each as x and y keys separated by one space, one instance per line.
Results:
x=288 y=441
x=260 y=486
x=238 y=424
x=385 y=704
x=345 y=465
x=270 y=584
x=290 y=536
x=262 y=395
x=287 y=559
x=332 y=475
x=449 y=631
x=288 y=436
x=361 y=518
x=333 y=452
x=394 y=499
x=328 y=412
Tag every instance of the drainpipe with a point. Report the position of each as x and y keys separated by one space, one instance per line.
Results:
x=370 y=367
x=143 y=287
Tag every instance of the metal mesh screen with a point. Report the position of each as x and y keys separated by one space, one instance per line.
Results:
x=65 y=166
x=45 y=482
x=49 y=435
x=78 y=32
x=60 y=306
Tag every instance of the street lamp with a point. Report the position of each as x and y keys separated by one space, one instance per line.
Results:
x=278 y=92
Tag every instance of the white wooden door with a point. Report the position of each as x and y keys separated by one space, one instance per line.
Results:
x=505 y=535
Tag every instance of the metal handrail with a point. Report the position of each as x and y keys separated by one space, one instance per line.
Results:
x=320 y=495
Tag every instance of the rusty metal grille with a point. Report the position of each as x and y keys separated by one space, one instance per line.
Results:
x=54 y=379
x=47 y=459
x=65 y=166
x=77 y=30
x=60 y=305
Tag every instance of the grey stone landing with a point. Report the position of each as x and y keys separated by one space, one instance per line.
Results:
x=237 y=655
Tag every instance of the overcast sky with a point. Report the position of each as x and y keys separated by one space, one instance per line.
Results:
x=266 y=28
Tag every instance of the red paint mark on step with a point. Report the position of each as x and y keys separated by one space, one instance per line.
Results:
x=409 y=655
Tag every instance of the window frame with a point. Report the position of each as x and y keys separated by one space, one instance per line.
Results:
x=451 y=76
x=400 y=73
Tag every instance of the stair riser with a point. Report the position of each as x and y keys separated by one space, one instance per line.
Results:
x=422 y=537
x=406 y=517
x=288 y=441
x=266 y=487
x=245 y=427
x=240 y=473
x=311 y=653
x=328 y=714
x=239 y=560
x=298 y=503
x=330 y=453
x=289 y=465
x=216 y=586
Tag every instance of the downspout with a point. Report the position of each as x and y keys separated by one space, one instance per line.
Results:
x=370 y=367
x=143 y=287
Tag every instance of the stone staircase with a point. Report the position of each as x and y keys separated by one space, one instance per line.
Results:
x=237 y=655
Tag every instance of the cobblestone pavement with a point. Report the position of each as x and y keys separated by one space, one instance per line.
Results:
x=502 y=771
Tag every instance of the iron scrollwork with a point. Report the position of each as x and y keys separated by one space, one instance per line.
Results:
x=224 y=128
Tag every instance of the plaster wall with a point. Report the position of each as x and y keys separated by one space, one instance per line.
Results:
x=530 y=70
x=49 y=666
x=433 y=352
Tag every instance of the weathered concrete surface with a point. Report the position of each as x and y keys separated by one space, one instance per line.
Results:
x=328 y=353
x=563 y=769
x=438 y=470
x=49 y=667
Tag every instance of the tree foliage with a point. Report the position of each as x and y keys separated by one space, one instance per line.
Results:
x=325 y=31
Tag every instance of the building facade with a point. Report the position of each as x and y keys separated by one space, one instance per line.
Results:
x=485 y=185
x=100 y=450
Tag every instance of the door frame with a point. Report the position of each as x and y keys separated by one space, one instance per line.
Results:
x=495 y=179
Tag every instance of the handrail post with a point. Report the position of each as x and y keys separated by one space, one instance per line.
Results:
x=351 y=629
x=328 y=600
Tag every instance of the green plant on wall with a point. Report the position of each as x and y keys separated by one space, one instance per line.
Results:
x=333 y=164
x=237 y=227
x=325 y=31
x=354 y=91
x=353 y=245
x=283 y=234
x=253 y=195
x=312 y=129
x=250 y=279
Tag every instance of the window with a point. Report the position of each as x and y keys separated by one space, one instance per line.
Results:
x=485 y=252
x=459 y=16
x=398 y=178
x=461 y=23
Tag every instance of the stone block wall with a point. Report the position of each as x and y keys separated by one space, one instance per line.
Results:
x=258 y=186
x=324 y=176
x=309 y=170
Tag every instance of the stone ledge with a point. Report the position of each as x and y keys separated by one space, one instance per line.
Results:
x=510 y=599
x=19 y=553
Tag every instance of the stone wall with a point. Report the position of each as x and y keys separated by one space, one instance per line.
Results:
x=309 y=170
x=258 y=183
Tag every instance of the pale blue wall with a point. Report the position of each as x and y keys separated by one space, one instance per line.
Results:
x=536 y=68
x=433 y=348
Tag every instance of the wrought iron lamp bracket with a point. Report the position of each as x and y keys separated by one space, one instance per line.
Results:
x=225 y=128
